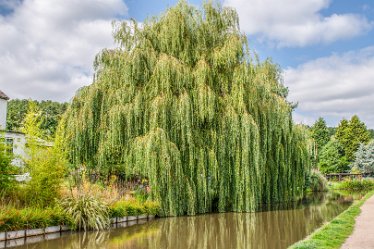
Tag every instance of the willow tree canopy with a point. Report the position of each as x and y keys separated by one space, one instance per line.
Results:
x=182 y=102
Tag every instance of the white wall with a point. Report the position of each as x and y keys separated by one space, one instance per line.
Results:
x=3 y=111
x=19 y=144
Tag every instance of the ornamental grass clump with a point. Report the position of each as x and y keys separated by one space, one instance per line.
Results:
x=183 y=103
x=317 y=182
x=87 y=212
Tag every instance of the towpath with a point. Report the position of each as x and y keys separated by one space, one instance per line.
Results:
x=363 y=233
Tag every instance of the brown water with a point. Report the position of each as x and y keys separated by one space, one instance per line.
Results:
x=275 y=229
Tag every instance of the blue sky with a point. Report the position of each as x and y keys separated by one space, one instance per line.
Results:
x=324 y=47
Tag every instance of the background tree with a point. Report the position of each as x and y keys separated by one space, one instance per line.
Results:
x=50 y=115
x=332 y=159
x=351 y=134
x=364 y=161
x=320 y=133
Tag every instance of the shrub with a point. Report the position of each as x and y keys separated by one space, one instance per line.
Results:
x=118 y=209
x=87 y=212
x=28 y=218
x=151 y=207
x=47 y=170
x=46 y=165
x=132 y=207
x=316 y=182
x=355 y=185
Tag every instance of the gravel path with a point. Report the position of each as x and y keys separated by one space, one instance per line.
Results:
x=363 y=233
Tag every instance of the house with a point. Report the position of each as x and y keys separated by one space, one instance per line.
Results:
x=16 y=140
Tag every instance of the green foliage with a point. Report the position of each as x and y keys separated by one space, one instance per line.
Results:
x=320 y=133
x=332 y=159
x=351 y=134
x=364 y=161
x=183 y=103
x=46 y=165
x=7 y=181
x=127 y=208
x=332 y=131
x=87 y=212
x=151 y=207
x=355 y=185
x=316 y=182
x=133 y=207
x=333 y=234
x=28 y=218
x=51 y=113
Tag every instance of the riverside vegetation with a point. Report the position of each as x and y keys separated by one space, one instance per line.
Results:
x=54 y=196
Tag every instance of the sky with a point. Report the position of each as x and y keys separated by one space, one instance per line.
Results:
x=324 y=47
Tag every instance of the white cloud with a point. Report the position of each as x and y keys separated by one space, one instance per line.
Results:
x=296 y=23
x=47 y=47
x=334 y=87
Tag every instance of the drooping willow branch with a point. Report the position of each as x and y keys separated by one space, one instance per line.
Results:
x=182 y=102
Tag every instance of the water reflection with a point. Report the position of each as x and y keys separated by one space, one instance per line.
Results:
x=268 y=229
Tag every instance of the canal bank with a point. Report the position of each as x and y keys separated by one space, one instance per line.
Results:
x=333 y=234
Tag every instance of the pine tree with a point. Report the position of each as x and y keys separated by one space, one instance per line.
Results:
x=320 y=133
x=183 y=103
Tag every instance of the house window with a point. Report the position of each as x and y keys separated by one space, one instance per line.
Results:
x=9 y=145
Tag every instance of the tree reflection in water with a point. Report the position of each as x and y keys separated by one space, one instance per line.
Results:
x=262 y=230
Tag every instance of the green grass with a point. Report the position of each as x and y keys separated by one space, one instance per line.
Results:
x=333 y=234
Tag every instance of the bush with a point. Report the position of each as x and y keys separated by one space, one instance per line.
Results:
x=151 y=207
x=87 y=212
x=316 y=182
x=29 y=218
x=355 y=185
x=133 y=207
x=47 y=170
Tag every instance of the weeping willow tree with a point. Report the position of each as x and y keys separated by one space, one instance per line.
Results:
x=183 y=102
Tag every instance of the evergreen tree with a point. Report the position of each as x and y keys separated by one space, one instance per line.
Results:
x=364 y=158
x=351 y=134
x=320 y=133
x=183 y=103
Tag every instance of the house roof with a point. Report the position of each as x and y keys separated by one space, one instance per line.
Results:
x=3 y=95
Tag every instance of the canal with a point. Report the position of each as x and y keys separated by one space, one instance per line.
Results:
x=276 y=228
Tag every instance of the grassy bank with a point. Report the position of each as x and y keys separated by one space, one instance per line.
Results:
x=12 y=218
x=333 y=234
x=353 y=185
x=29 y=218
